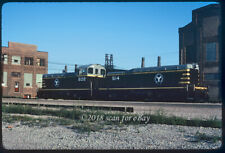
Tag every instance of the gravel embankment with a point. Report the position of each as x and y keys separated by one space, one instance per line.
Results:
x=149 y=136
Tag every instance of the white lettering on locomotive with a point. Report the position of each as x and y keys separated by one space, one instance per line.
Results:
x=114 y=78
x=80 y=79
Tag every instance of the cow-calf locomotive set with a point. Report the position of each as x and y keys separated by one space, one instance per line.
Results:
x=164 y=83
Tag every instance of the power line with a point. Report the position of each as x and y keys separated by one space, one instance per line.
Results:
x=57 y=63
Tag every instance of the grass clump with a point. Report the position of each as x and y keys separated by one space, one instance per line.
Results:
x=87 y=127
x=203 y=137
x=25 y=120
x=71 y=114
x=13 y=119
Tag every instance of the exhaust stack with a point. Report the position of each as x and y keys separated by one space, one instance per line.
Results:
x=142 y=62
x=159 y=61
x=76 y=70
x=65 y=69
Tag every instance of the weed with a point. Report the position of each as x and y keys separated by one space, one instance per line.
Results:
x=87 y=127
x=64 y=121
x=13 y=119
x=181 y=129
x=160 y=112
x=203 y=137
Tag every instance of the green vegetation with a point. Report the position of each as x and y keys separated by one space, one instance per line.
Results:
x=87 y=127
x=94 y=120
x=31 y=121
x=203 y=137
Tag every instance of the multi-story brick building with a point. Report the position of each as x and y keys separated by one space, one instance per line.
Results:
x=200 y=42
x=23 y=67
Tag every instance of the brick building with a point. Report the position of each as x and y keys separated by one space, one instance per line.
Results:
x=22 y=70
x=200 y=42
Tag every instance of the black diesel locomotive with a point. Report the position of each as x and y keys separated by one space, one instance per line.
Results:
x=164 y=83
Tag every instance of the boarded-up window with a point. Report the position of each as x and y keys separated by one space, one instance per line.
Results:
x=27 y=80
x=16 y=60
x=4 y=83
x=39 y=80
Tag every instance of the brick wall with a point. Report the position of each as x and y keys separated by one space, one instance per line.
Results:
x=193 y=39
x=22 y=50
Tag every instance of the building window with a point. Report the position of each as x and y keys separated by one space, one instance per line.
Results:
x=211 y=76
x=4 y=83
x=39 y=80
x=16 y=60
x=90 y=70
x=15 y=74
x=5 y=58
x=28 y=61
x=27 y=80
x=41 y=62
x=16 y=87
x=211 y=52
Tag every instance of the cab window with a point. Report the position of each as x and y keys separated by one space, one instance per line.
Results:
x=82 y=72
x=96 y=71
x=90 y=70
x=102 y=72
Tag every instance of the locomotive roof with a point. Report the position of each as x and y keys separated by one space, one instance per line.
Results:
x=88 y=65
x=70 y=74
x=146 y=69
x=164 y=68
x=160 y=68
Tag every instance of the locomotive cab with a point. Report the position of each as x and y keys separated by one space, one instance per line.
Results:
x=92 y=70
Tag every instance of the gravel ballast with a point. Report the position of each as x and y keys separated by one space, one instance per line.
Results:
x=145 y=136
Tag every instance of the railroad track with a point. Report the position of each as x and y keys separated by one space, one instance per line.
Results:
x=188 y=110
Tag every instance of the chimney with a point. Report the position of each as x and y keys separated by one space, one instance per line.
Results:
x=142 y=62
x=159 y=61
x=76 y=70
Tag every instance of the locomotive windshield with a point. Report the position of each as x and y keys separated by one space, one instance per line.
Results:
x=102 y=72
x=90 y=70
x=96 y=71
